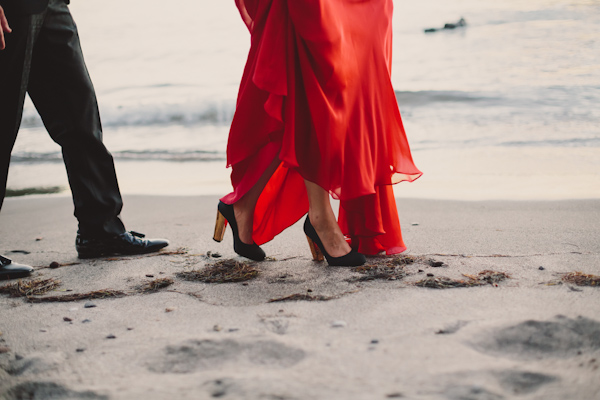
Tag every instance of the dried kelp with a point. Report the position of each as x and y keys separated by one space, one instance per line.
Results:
x=30 y=288
x=302 y=297
x=176 y=252
x=154 y=285
x=224 y=271
x=382 y=272
x=482 y=278
x=98 y=294
x=446 y=283
x=489 y=276
x=403 y=260
x=581 y=279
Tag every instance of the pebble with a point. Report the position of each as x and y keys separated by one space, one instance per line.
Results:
x=80 y=350
x=541 y=268
x=54 y=265
x=374 y=341
x=430 y=274
x=89 y=304
x=85 y=321
x=309 y=290
x=169 y=309
x=37 y=239
x=415 y=224
x=129 y=329
x=4 y=349
x=421 y=270
x=217 y=328
x=338 y=324
x=67 y=319
x=394 y=395
x=233 y=330
x=43 y=330
x=149 y=276
x=111 y=336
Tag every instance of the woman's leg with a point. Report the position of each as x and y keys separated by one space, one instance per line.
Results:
x=323 y=220
x=244 y=207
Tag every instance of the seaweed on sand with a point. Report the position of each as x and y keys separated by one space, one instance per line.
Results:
x=489 y=276
x=445 y=283
x=98 y=294
x=403 y=260
x=223 y=271
x=154 y=285
x=389 y=272
x=482 y=278
x=30 y=288
x=302 y=297
x=581 y=279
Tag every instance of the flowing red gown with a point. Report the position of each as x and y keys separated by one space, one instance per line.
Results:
x=316 y=93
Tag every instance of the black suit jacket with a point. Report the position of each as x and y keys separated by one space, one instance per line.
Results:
x=25 y=7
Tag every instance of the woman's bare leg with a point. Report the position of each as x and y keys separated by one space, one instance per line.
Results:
x=244 y=207
x=323 y=220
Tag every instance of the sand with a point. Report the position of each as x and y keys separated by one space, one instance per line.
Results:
x=527 y=337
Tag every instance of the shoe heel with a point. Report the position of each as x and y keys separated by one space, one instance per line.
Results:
x=220 y=225
x=314 y=249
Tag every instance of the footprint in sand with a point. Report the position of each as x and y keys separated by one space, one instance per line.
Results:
x=559 y=337
x=470 y=393
x=278 y=326
x=522 y=383
x=36 y=363
x=492 y=385
x=198 y=355
x=47 y=390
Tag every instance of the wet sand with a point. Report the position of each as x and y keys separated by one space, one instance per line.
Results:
x=527 y=337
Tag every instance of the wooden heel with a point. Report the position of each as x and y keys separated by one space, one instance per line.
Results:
x=314 y=249
x=220 y=225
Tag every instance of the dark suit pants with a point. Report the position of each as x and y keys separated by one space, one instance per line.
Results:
x=43 y=58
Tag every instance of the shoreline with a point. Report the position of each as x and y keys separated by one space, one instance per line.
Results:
x=343 y=338
x=479 y=174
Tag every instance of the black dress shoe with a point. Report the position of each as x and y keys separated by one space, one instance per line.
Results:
x=11 y=270
x=127 y=243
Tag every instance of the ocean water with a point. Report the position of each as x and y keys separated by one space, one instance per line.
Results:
x=504 y=108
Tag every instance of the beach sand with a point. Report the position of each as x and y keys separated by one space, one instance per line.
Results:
x=530 y=336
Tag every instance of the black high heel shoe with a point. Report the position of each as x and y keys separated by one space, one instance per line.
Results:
x=352 y=259
x=225 y=214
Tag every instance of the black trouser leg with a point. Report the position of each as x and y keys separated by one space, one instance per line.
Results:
x=62 y=92
x=15 y=61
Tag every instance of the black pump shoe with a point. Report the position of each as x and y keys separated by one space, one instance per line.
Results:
x=127 y=243
x=352 y=259
x=226 y=215
x=11 y=270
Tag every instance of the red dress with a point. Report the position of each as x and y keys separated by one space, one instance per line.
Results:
x=316 y=93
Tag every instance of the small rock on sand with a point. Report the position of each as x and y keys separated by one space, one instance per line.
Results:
x=89 y=304
x=339 y=324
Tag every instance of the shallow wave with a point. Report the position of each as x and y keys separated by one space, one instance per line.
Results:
x=573 y=142
x=421 y=98
x=200 y=112
x=130 y=155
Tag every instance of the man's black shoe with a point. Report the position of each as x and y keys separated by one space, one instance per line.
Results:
x=127 y=243
x=11 y=270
